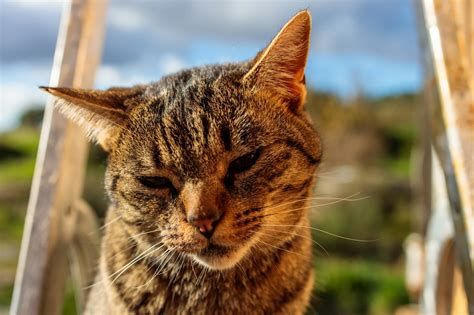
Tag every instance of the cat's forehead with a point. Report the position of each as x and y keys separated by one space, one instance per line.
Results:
x=192 y=119
x=200 y=80
x=212 y=95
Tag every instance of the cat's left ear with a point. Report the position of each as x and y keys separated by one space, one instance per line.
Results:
x=101 y=113
x=280 y=67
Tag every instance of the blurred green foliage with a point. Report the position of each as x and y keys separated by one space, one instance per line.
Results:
x=367 y=150
x=357 y=287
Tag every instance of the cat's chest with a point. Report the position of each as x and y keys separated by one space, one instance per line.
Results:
x=179 y=290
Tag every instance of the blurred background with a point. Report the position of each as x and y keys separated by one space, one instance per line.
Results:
x=364 y=76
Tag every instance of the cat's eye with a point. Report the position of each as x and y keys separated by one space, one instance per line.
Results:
x=244 y=163
x=156 y=182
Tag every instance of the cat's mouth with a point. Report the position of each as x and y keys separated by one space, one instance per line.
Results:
x=213 y=250
x=217 y=256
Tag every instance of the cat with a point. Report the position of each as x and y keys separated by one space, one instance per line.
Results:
x=209 y=176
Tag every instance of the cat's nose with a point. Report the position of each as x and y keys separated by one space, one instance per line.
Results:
x=205 y=224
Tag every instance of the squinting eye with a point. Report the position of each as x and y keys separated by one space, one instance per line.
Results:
x=156 y=182
x=244 y=162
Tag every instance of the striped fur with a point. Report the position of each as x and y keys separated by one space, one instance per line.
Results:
x=189 y=127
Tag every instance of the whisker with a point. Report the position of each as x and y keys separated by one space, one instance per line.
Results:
x=156 y=273
x=179 y=262
x=165 y=264
x=109 y=223
x=132 y=245
x=241 y=268
x=324 y=232
x=126 y=266
x=123 y=250
x=303 y=236
x=283 y=249
x=144 y=233
x=311 y=206
x=277 y=205
x=192 y=268
x=317 y=174
x=348 y=198
x=201 y=275
x=146 y=253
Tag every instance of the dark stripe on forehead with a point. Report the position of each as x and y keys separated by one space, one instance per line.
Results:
x=226 y=139
x=311 y=159
x=205 y=128
x=206 y=98
x=248 y=131
x=156 y=157
x=298 y=187
x=164 y=137
x=185 y=76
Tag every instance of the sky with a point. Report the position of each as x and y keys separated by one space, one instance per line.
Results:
x=357 y=46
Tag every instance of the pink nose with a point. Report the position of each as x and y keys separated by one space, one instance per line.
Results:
x=205 y=224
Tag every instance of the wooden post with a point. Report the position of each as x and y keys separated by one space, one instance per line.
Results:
x=450 y=29
x=60 y=168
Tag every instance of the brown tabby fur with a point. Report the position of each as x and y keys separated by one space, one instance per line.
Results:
x=188 y=127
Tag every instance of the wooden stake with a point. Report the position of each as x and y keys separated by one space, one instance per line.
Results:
x=60 y=168
x=449 y=25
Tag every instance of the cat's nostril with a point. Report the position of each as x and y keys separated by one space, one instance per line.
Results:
x=205 y=225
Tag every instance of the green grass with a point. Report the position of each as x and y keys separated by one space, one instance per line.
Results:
x=6 y=292
x=11 y=222
x=357 y=287
x=23 y=139
x=20 y=170
x=69 y=306
x=398 y=167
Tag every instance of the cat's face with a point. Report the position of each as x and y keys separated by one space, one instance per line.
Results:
x=201 y=144
x=213 y=161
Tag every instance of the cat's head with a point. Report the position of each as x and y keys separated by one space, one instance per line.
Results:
x=209 y=161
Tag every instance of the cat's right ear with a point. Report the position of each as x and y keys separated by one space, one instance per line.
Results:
x=279 y=68
x=99 y=112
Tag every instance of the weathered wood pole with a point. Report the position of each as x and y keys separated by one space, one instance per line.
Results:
x=60 y=167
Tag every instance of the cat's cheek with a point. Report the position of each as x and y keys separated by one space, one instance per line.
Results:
x=225 y=233
x=182 y=237
x=243 y=188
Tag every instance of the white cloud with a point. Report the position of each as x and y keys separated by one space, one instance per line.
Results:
x=125 y=19
x=35 y=4
x=19 y=90
x=126 y=75
x=171 y=63
x=15 y=98
x=108 y=76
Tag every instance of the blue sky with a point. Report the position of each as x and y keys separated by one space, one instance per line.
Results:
x=367 y=46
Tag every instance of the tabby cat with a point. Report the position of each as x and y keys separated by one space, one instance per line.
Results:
x=209 y=175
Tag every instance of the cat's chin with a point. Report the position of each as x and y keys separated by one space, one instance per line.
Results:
x=219 y=257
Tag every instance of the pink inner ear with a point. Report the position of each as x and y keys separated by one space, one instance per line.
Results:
x=300 y=76
x=299 y=96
